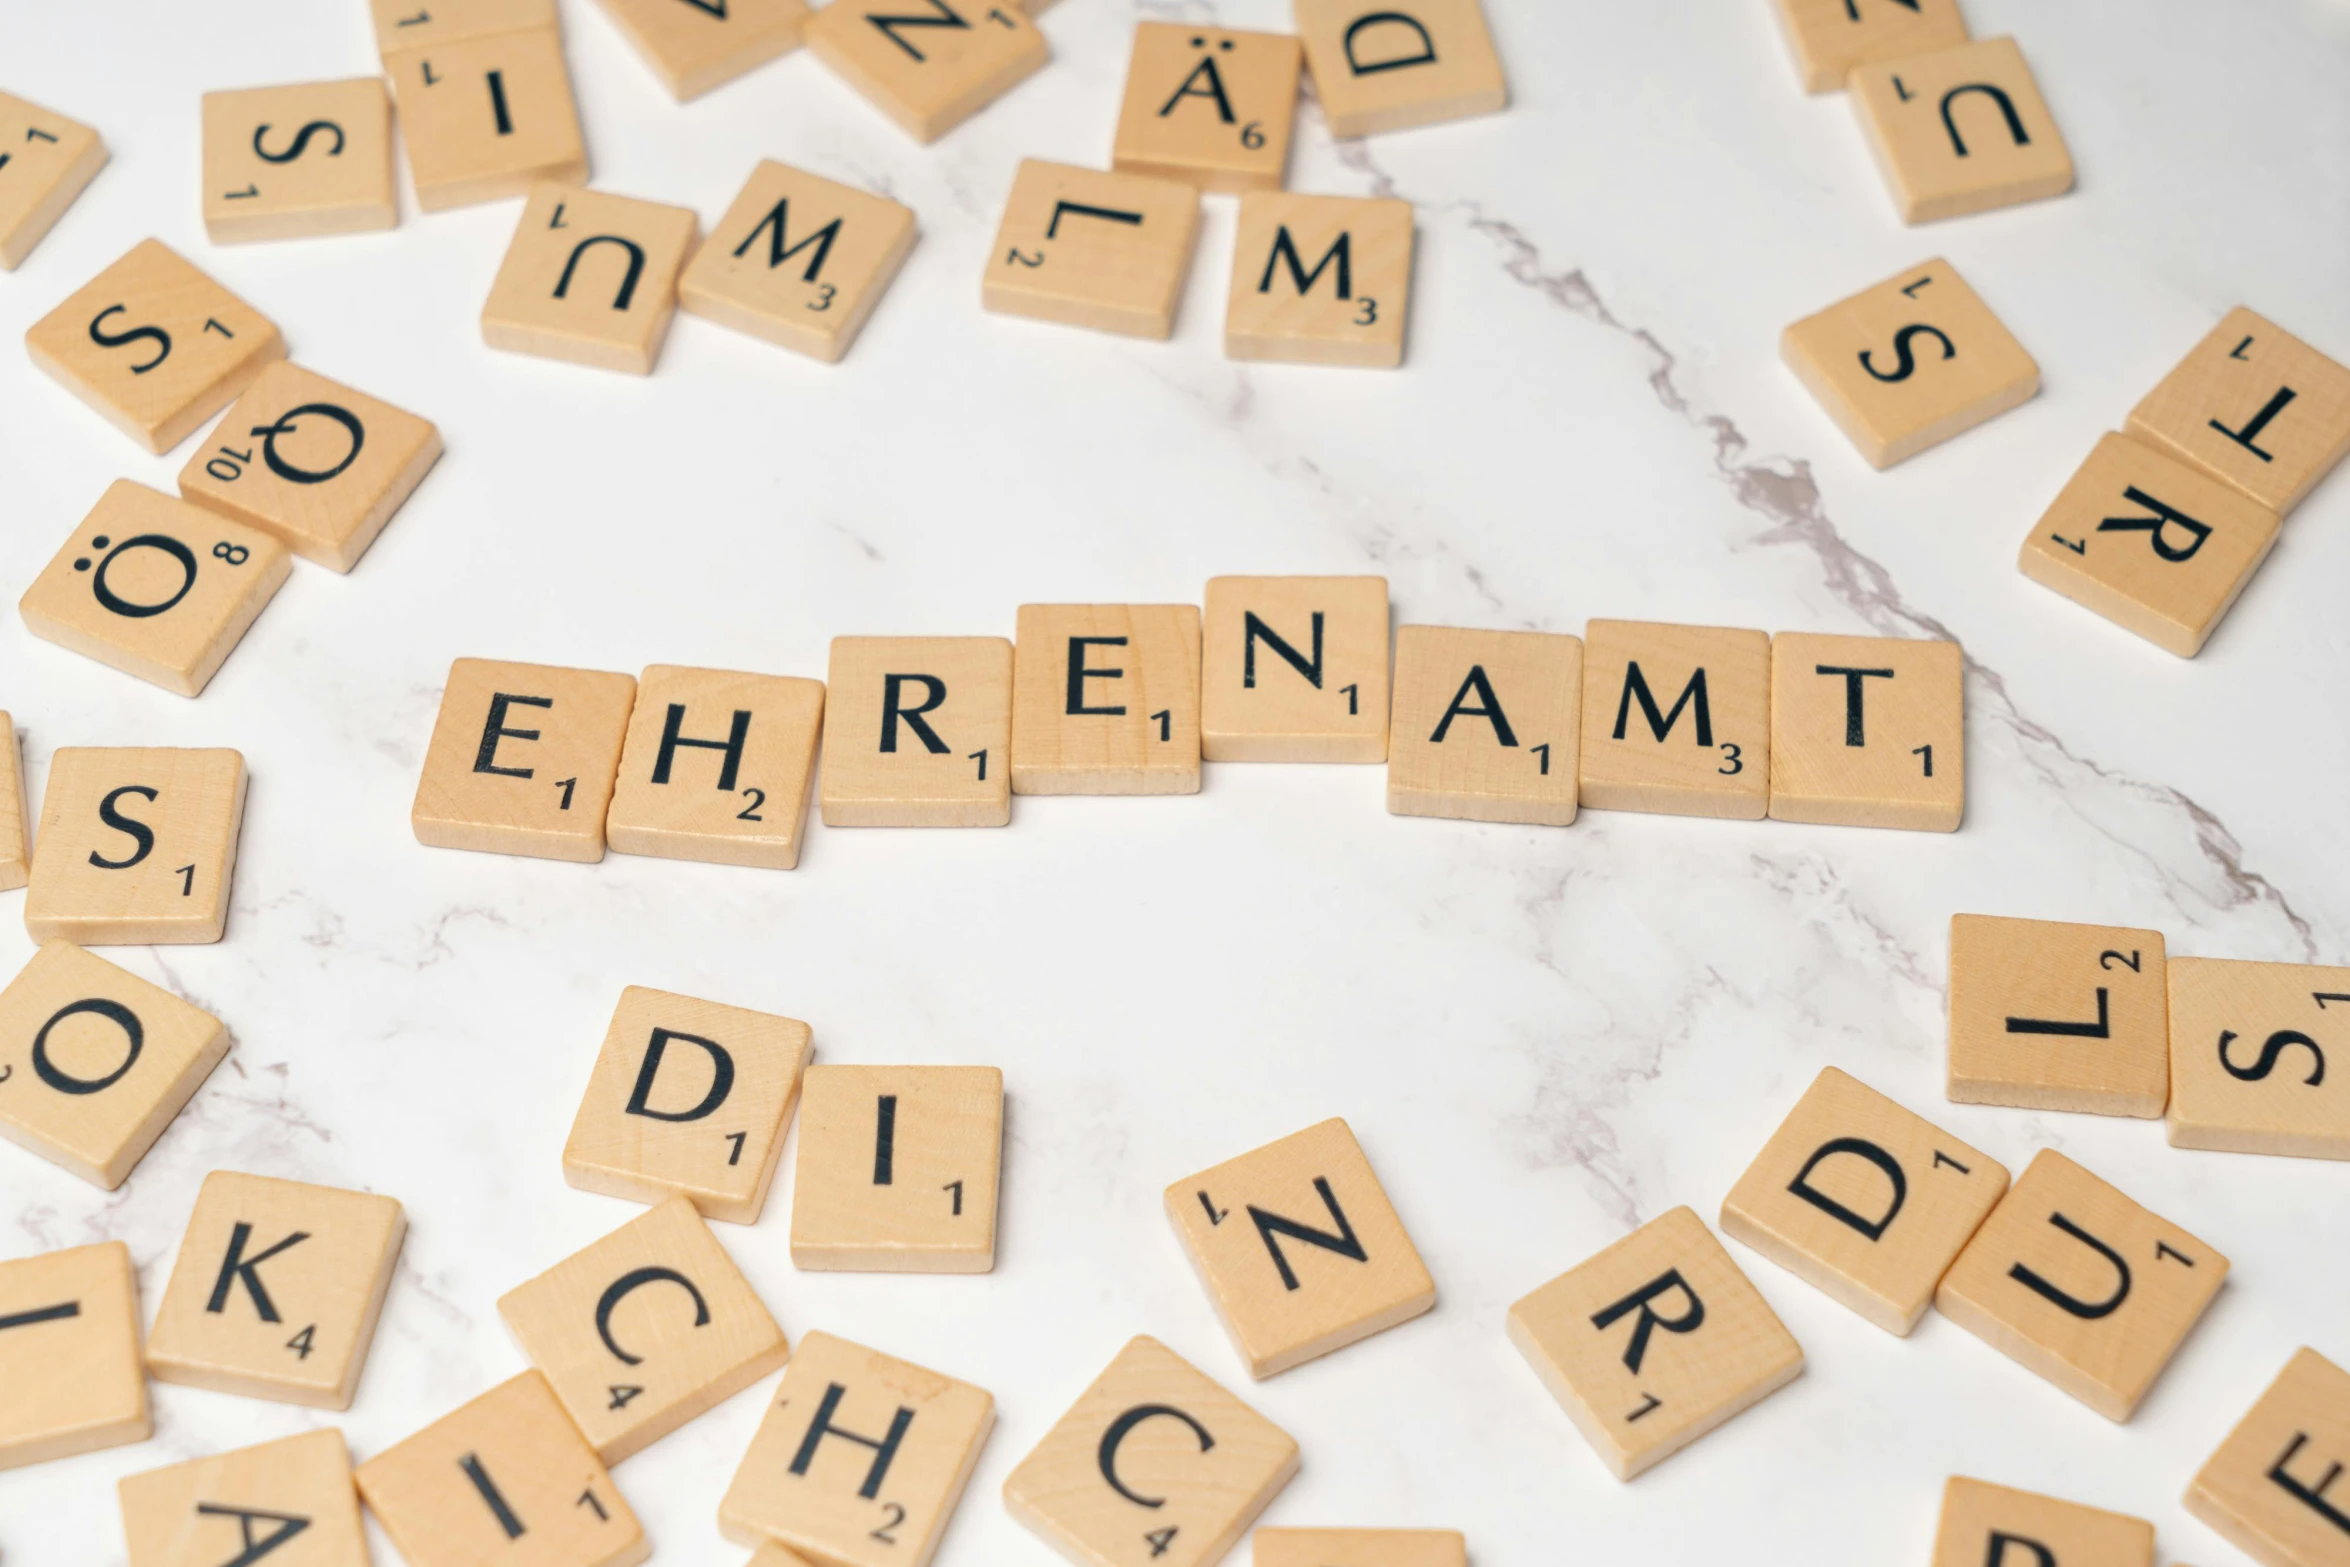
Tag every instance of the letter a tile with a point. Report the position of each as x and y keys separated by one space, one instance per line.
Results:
x=918 y=732
x=698 y=45
x=95 y=1062
x=139 y=846
x=590 y=278
x=798 y=260
x=288 y=1501
x=2254 y=405
x=486 y=116
x=1359 y=1548
x=1857 y=1197
x=1208 y=106
x=1383 y=67
x=928 y=64
x=51 y=161
x=2072 y=1280
x=1486 y=725
x=1830 y=37
x=1085 y=248
x=1676 y=719
x=506 y=1479
x=1321 y=280
x=1299 y=1248
x=1294 y=669
x=717 y=767
x=2045 y=1016
x=1105 y=699
x=2260 y=1058
x=522 y=760
x=1868 y=731
x=296 y=161
x=1960 y=130
x=860 y=1461
x=1984 y=1523
x=898 y=1169
x=2272 y=1490
x=69 y=1354
x=1654 y=1342
x=1155 y=1463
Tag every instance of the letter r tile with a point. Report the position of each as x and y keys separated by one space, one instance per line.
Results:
x=2274 y=1487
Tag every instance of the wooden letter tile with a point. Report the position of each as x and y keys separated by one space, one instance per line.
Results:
x=293 y=162
x=1105 y=699
x=1085 y=248
x=154 y=345
x=16 y=856
x=1654 y=1342
x=693 y=46
x=1960 y=130
x=137 y=847
x=1359 y=1548
x=2046 y=1016
x=918 y=732
x=1984 y=1523
x=590 y=278
x=523 y=759
x=2072 y=1280
x=486 y=116
x=69 y=1354
x=897 y=1169
x=1857 y=1197
x=1676 y=719
x=1155 y=1463
x=2254 y=405
x=289 y=1501
x=1486 y=725
x=316 y=465
x=860 y=1461
x=1379 y=67
x=2154 y=545
x=402 y=25
x=1868 y=731
x=717 y=767
x=1909 y=363
x=1299 y=1248
x=2260 y=1058
x=1208 y=106
x=1830 y=37
x=773 y=1555
x=95 y=1062
x=277 y=1290
x=644 y=1330
x=1294 y=669
x=507 y=1479
x=2272 y=1488
x=50 y=161
x=1320 y=280
x=803 y=276
x=929 y=64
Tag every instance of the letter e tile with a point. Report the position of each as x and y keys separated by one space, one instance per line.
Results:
x=522 y=760
x=2271 y=1489
x=1105 y=699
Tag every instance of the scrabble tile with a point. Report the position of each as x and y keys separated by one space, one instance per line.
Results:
x=95 y=1062
x=1359 y=1548
x=155 y=587
x=1105 y=699
x=1856 y=1196
x=2152 y=544
x=897 y=1169
x=860 y=1459
x=1208 y=106
x=1654 y=1342
x=2075 y=1282
x=1676 y=719
x=1486 y=725
x=927 y=64
x=1294 y=669
x=1910 y=363
x=154 y=345
x=487 y=116
x=774 y=1555
x=523 y=760
x=689 y=1098
x=2251 y=1045
x=1155 y=1462
x=2254 y=405
x=1382 y=67
x=804 y=276
x=506 y=1478
x=1868 y=731
x=1830 y=37
x=69 y=1354
x=2270 y=1489
x=312 y=463
x=277 y=1290
x=716 y=767
x=695 y=45
x=646 y=1329
x=1960 y=130
x=1281 y=308
x=1990 y=1524
x=1321 y=1261
x=1092 y=249
x=138 y=846
x=402 y=25
x=590 y=278
x=297 y=161
x=2048 y=1016
x=917 y=732
x=254 y=1503
x=16 y=856
x=49 y=161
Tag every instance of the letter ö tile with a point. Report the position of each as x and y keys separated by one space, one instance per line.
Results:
x=2273 y=1488
x=292 y=162
x=523 y=760
x=69 y=1354
x=2260 y=1057
x=590 y=278
x=140 y=846
x=798 y=261
x=1208 y=106
x=51 y=161
x=1991 y=1524
x=252 y=1504
x=898 y=1169
x=1379 y=66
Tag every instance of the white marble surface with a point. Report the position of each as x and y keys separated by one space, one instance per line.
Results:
x=1542 y=1037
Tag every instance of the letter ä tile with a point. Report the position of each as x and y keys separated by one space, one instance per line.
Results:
x=918 y=732
x=932 y=68
x=2260 y=1058
x=1676 y=719
x=1486 y=725
x=696 y=47
x=1379 y=66
x=2273 y=1488
x=1320 y=280
x=523 y=759
x=2255 y=406
x=256 y=1500
x=717 y=767
x=1991 y=1524
x=139 y=846
x=1830 y=37
x=1294 y=669
x=1868 y=732
x=898 y=1169
x=2048 y=1016
x=1359 y=1548
x=51 y=161
x=1091 y=249
x=2074 y=1281
x=798 y=260
x=1960 y=130
x=1208 y=106
x=590 y=278
x=292 y=162
x=488 y=114
x=69 y=1355
x=1105 y=699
